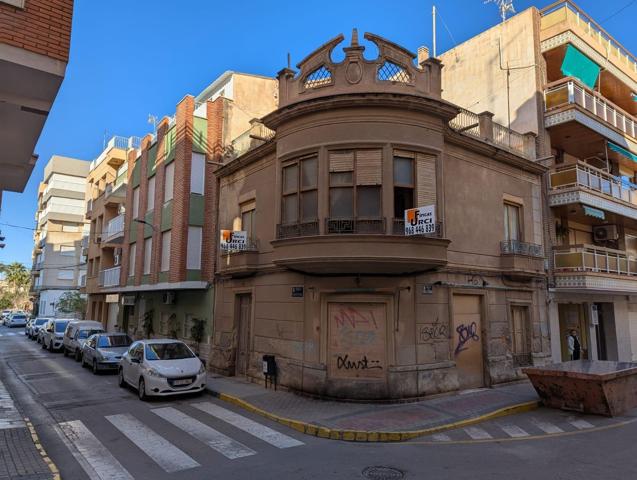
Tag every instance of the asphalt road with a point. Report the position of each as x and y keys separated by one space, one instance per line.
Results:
x=92 y=429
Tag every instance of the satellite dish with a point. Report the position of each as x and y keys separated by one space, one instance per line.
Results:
x=505 y=6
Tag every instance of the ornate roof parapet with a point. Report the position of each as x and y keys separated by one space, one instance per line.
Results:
x=393 y=71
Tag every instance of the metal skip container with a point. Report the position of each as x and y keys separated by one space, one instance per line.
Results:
x=597 y=387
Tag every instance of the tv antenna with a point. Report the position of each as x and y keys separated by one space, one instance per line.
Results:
x=505 y=6
x=152 y=119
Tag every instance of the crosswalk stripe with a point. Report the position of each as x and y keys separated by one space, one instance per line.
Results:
x=167 y=456
x=547 y=427
x=477 y=433
x=103 y=464
x=10 y=334
x=255 y=429
x=580 y=424
x=441 y=437
x=202 y=432
x=514 y=431
x=9 y=415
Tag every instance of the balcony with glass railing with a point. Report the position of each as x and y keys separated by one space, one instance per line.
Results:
x=114 y=230
x=109 y=277
x=582 y=183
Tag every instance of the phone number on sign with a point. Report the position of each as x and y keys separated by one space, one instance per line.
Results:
x=420 y=229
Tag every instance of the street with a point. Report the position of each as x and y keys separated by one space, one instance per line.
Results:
x=93 y=429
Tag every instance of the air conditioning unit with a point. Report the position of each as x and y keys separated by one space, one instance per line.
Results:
x=168 y=298
x=604 y=233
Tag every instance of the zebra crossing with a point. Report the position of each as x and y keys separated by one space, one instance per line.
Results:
x=9 y=334
x=92 y=452
x=9 y=415
x=539 y=423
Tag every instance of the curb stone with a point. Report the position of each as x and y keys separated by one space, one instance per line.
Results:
x=371 y=436
x=38 y=445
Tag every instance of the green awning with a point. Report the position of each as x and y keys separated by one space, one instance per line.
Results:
x=622 y=151
x=593 y=212
x=578 y=65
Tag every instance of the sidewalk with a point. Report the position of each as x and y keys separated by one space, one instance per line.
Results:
x=367 y=422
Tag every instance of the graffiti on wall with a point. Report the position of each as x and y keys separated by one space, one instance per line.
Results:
x=465 y=334
x=357 y=340
x=428 y=332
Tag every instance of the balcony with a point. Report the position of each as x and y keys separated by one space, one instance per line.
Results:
x=61 y=188
x=109 y=277
x=588 y=267
x=581 y=120
x=61 y=212
x=521 y=258
x=84 y=245
x=240 y=263
x=114 y=231
x=581 y=183
x=353 y=246
x=115 y=194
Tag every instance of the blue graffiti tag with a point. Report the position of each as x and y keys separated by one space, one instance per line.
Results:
x=466 y=333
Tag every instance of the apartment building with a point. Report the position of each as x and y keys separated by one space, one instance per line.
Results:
x=34 y=51
x=58 y=266
x=557 y=73
x=170 y=233
x=385 y=243
x=105 y=198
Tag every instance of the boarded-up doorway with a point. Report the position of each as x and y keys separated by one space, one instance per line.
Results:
x=243 y=313
x=467 y=340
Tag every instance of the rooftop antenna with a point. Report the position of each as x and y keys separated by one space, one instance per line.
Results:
x=289 y=61
x=433 y=26
x=505 y=6
x=152 y=119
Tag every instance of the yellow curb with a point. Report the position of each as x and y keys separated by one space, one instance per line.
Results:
x=38 y=445
x=375 y=436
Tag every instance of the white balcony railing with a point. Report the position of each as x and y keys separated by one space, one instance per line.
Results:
x=586 y=176
x=569 y=92
x=589 y=258
x=109 y=277
x=115 y=228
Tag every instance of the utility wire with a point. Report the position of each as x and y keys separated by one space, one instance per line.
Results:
x=629 y=4
x=444 y=24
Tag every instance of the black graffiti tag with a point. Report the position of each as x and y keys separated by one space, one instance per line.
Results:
x=433 y=331
x=466 y=333
x=344 y=363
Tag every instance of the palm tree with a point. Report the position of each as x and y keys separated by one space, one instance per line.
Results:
x=18 y=281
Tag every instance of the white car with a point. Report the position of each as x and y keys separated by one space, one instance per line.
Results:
x=53 y=335
x=5 y=314
x=16 y=319
x=35 y=327
x=161 y=367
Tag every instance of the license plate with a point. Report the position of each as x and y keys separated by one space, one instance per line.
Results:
x=182 y=382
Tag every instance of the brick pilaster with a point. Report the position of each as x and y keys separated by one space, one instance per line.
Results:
x=143 y=204
x=160 y=173
x=128 y=218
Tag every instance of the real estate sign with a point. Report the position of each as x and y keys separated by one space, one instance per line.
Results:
x=233 y=240
x=421 y=220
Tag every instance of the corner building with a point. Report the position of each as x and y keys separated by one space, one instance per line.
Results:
x=330 y=285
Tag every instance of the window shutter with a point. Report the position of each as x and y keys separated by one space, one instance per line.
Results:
x=341 y=161
x=368 y=167
x=426 y=179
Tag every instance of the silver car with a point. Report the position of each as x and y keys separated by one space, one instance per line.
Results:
x=53 y=334
x=103 y=351
x=16 y=320
x=35 y=327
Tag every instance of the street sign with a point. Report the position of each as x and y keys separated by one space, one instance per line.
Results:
x=421 y=220
x=233 y=240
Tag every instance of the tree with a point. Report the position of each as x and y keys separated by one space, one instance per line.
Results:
x=72 y=302
x=18 y=280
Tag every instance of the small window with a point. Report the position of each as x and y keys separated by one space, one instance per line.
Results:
x=404 y=185
x=136 y=202
x=150 y=194
x=148 y=255
x=165 y=251
x=512 y=229
x=65 y=275
x=299 y=189
x=193 y=254
x=169 y=181
x=67 y=250
x=247 y=223
x=131 y=260
x=197 y=173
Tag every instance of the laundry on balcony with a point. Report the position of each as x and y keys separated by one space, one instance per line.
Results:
x=578 y=65
x=594 y=212
x=622 y=151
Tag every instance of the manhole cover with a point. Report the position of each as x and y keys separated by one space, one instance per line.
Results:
x=382 y=473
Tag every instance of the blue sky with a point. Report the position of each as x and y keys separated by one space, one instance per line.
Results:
x=131 y=58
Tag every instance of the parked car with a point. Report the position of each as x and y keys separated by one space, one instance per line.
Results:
x=161 y=367
x=76 y=333
x=16 y=320
x=5 y=314
x=53 y=335
x=35 y=326
x=103 y=351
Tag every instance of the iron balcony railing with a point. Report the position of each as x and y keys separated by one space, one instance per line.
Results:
x=589 y=258
x=516 y=247
x=398 y=228
x=300 y=229
x=362 y=226
x=583 y=175
x=570 y=92
x=109 y=277
x=254 y=137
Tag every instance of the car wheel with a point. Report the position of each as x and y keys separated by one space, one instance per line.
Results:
x=120 y=378
x=141 y=390
x=78 y=357
x=95 y=369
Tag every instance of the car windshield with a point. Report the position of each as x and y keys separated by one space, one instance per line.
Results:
x=19 y=317
x=60 y=326
x=88 y=333
x=41 y=321
x=108 y=341
x=168 y=351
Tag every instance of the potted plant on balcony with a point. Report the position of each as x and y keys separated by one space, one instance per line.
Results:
x=561 y=232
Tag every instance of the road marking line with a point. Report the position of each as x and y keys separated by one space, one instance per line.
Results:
x=103 y=464
x=477 y=433
x=164 y=453
x=547 y=427
x=255 y=429
x=202 y=432
x=9 y=415
x=10 y=334
x=441 y=437
x=514 y=431
x=580 y=424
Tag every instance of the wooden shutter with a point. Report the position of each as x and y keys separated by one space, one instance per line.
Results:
x=342 y=161
x=368 y=167
x=426 y=179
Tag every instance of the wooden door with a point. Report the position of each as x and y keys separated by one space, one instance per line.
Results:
x=467 y=340
x=242 y=321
